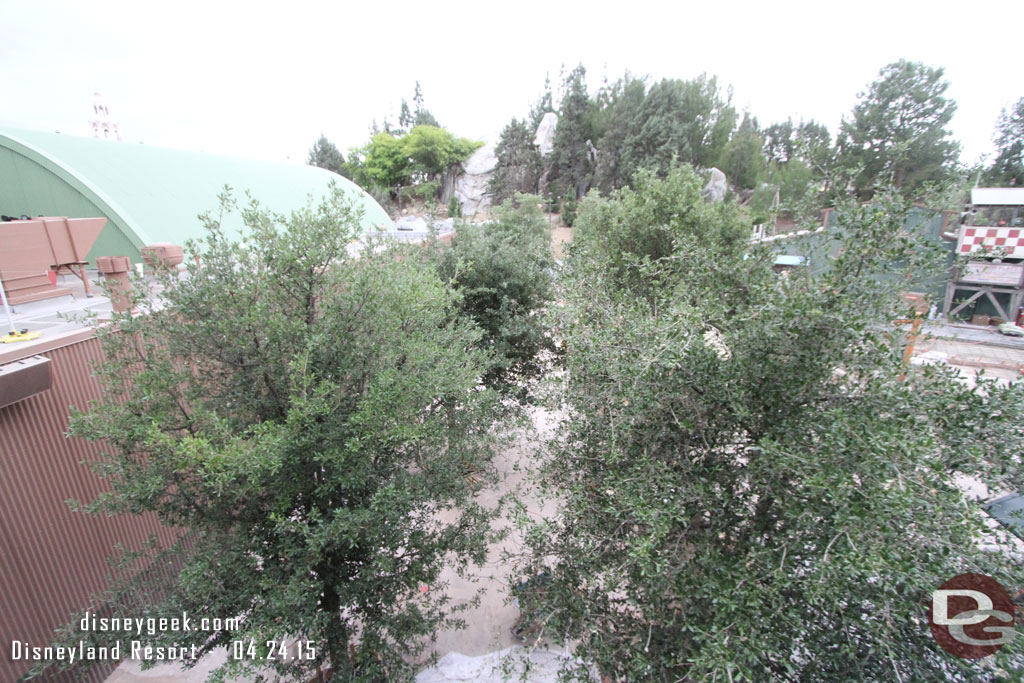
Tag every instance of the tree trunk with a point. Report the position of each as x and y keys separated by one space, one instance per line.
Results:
x=337 y=636
x=451 y=174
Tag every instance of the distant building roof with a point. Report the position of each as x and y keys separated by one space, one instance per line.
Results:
x=997 y=196
x=149 y=194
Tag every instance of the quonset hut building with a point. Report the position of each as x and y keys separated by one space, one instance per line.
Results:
x=148 y=194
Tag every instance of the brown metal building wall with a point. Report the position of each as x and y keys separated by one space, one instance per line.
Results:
x=52 y=559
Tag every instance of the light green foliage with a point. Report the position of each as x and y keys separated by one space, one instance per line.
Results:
x=897 y=132
x=382 y=163
x=762 y=208
x=309 y=418
x=433 y=150
x=325 y=155
x=504 y=272
x=1008 y=166
x=519 y=162
x=423 y=155
x=421 y=191
x=748 y=490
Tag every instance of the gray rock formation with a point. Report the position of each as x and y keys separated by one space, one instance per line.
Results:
x=716 y=188
x=545 y=137
x=471 y=187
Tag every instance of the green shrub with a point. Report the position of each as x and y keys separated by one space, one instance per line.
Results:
x=569 y=210
x=454 y=208
x=503 y=271
x=422 y=191
x=752 y=484
x=306 y=415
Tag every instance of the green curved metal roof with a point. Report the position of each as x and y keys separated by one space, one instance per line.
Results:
x=150 y=194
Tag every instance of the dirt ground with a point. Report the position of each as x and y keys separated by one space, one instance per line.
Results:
x=560 y=236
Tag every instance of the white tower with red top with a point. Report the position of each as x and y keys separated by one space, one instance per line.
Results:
x=103 y=127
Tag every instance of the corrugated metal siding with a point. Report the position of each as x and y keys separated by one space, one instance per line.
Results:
x=52 y=559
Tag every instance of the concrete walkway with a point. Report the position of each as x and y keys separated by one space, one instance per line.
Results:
x=980 y=334
x=972 y=349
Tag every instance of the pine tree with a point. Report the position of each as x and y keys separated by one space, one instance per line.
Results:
x=618 y=107
x=519 y=162
x=743 y=159
x=405 y=118
x=542 y=106
x=1008 y=166
x=422 y=117
x=572 y=164
x=897 y=132
x=325 y=155
x=684 y=120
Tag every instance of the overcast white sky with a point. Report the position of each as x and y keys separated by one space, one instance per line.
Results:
x=262 y=80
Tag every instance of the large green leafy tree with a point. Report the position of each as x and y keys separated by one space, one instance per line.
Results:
x=898 y=133
x=434 y=150
x=813 y=145
x=325 y=154
x=519 y=162
x=424 y=154
x=636 y=227
x=1008 y=166
x=749 y=490
x=382 y=163
x=309 y=419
